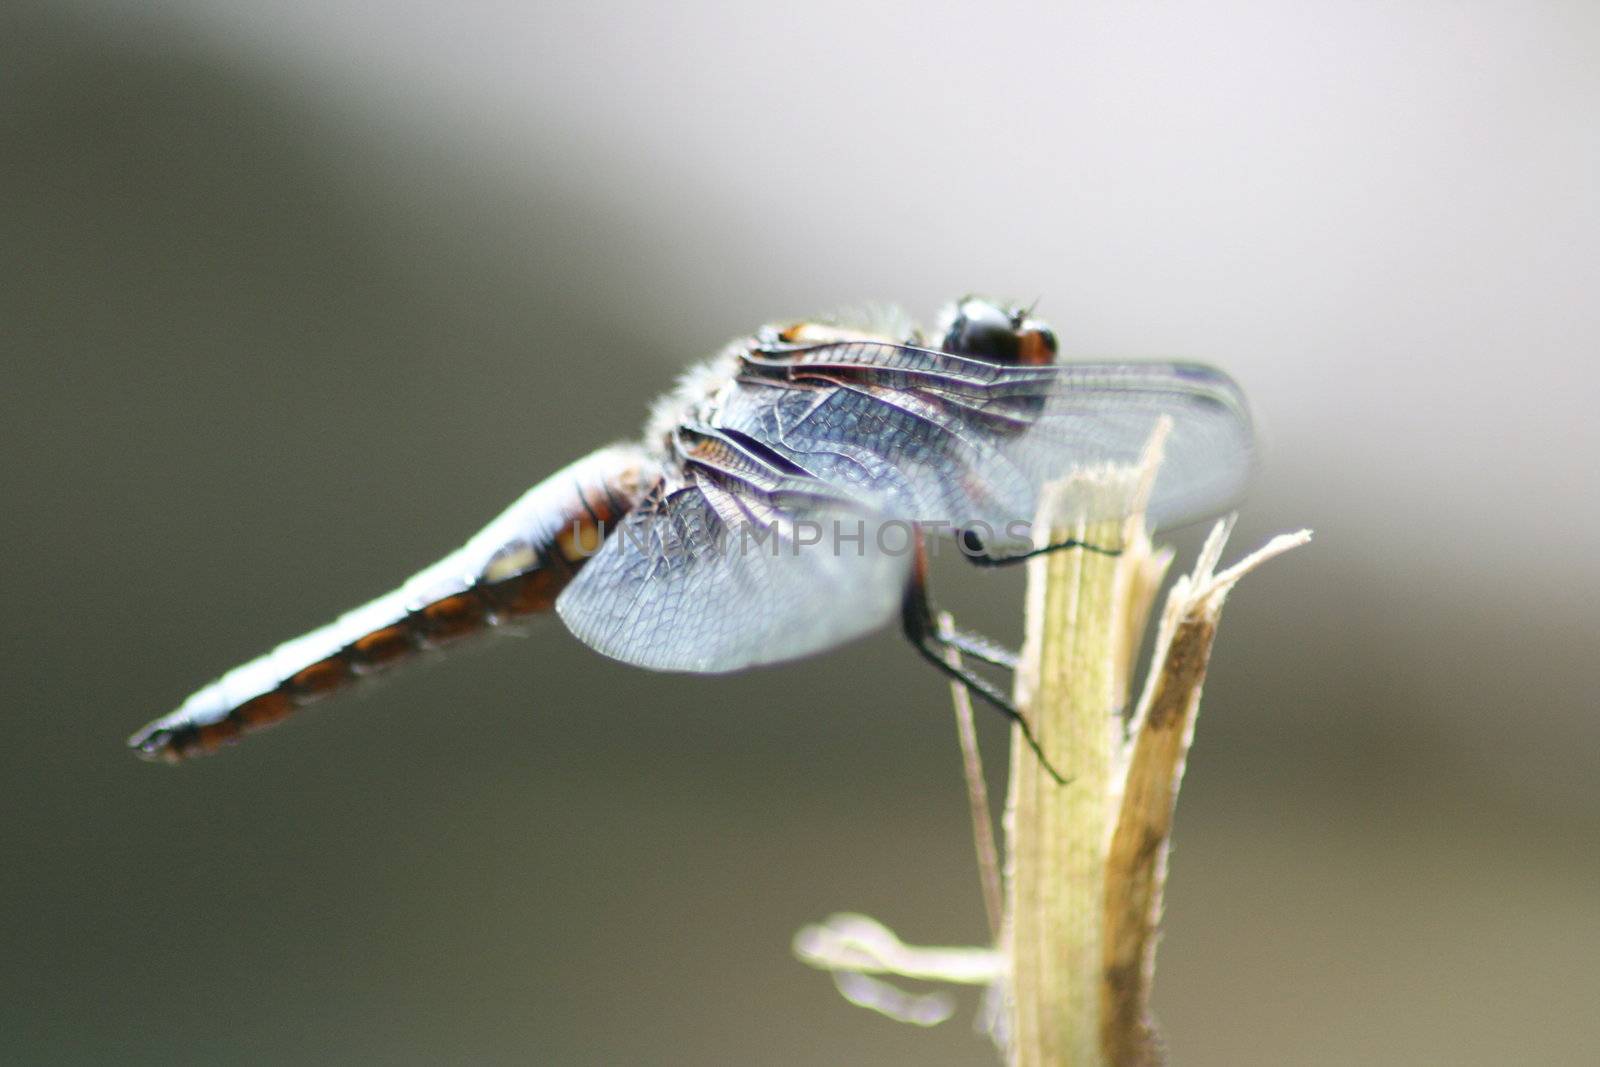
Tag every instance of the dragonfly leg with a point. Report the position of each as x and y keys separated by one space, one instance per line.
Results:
x=978 y=553
x=982 y=648
x=917 y=618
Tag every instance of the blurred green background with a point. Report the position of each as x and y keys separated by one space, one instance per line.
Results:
x=295 y=295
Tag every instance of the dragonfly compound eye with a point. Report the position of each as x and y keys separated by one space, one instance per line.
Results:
x=983 y=330
x=1036 y=343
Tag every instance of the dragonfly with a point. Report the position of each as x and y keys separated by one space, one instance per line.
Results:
x=780 y=502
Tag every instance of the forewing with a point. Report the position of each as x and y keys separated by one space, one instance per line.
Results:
x=711 y=575
x=941 y=438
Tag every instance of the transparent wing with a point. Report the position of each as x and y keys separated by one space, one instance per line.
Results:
x=942 y=438
x=714 y=576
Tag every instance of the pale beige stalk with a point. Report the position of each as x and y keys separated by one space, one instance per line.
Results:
x=1163 y=729
x=1085 y=862
x=1084 y=613
x=983 y=841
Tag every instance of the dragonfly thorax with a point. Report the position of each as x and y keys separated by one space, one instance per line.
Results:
x=696 y=398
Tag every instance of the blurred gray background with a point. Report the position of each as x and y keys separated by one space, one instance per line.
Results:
x=295 y=295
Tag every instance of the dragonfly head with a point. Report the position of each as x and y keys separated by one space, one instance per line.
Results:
x=999 y=333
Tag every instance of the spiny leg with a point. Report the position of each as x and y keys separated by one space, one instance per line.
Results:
x=976 y=552
x=917 y=619
x=980 y=647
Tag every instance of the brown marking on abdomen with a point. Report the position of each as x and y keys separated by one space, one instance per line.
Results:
x=533 y=593
x=318 y=680
x=452 y=618
x=382 y=648
x=265 y=710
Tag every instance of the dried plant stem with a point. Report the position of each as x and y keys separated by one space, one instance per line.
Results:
x=1162 y=729
x=1058 y=835
x=1086 y=861
x=977 y=793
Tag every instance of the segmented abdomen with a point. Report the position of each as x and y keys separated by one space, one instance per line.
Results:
x=515 y=567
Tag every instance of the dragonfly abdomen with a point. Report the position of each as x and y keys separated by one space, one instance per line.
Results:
x=515 y=568
x=271 y=688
